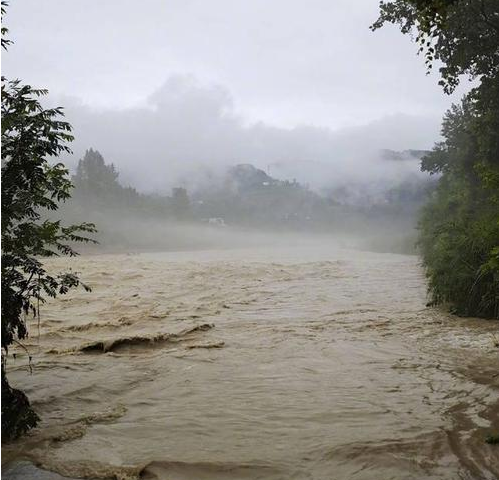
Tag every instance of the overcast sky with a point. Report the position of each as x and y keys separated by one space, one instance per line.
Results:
x=283 y=63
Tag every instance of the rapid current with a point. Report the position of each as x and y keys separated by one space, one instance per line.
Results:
x=303 y=362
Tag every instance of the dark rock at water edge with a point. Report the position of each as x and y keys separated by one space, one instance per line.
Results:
x=27 y=471
x=17 y=415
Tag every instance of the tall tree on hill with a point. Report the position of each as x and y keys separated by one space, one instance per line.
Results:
x=93 y=176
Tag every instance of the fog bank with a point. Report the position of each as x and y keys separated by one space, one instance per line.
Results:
x=188 y=132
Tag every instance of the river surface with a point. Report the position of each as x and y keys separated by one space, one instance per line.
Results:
x=303 y=362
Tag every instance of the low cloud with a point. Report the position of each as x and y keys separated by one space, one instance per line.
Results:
x=186 y=133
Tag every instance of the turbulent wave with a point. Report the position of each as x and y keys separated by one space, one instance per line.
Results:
x=162 y=470
x=142 y=342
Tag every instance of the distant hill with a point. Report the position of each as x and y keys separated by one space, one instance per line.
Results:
x=247 y=195
x=404 y=155
x=247 y=176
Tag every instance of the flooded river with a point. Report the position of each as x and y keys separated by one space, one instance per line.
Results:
x=303 y=362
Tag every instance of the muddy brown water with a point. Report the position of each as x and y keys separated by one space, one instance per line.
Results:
x=290 y=363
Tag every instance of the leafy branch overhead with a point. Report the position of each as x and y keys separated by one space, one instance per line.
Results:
x=462 y=36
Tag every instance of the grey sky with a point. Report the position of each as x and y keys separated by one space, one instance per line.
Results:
x=284 y=62
x=231 y=73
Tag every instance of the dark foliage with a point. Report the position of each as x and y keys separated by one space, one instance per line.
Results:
x=31 y=185
x=459 y=228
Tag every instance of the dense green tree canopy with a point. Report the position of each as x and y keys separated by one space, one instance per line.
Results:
x=459 y=230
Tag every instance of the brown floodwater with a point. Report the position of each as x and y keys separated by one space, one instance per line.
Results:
x=304 y=362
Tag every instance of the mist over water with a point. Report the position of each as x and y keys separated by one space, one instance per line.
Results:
x=135 y=236
x=243 y=205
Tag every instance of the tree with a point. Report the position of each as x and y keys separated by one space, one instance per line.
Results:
x=93 y=176
x=459 y=228
x=181 y=204
x=31 y=184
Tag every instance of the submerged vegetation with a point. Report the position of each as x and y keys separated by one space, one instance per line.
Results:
x=492 y=440
x=31 y=184
x=459 y=226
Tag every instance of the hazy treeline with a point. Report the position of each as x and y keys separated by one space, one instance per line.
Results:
x=244 y=197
